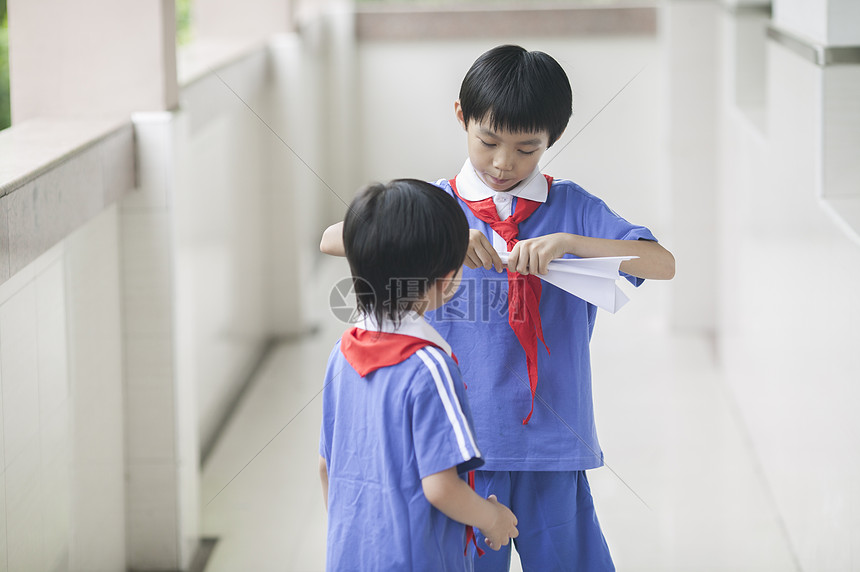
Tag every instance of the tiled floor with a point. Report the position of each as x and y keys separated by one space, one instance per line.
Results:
x=260 y=490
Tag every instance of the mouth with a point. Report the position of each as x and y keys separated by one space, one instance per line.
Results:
x=497 y=182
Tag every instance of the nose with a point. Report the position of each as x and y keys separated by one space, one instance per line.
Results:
x=503 y=160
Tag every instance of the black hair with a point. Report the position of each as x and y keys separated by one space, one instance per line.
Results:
x=518 y=91
x=399 y=238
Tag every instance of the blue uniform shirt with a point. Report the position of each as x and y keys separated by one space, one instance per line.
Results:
x=381 y=434
x=561 y=435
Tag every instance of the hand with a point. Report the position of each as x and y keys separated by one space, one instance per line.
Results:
x=533 y=255
x=481 y=252
x=504 y=526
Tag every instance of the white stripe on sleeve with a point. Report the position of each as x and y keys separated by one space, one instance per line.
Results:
x=441 y=360
x=446 y=402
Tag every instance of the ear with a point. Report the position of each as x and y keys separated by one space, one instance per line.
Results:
x=443 y=282
x=458 y=113
x=444 y=286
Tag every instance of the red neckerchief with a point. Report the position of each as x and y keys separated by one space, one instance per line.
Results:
x=523 y=291
x=470 y=531
x=367 y=351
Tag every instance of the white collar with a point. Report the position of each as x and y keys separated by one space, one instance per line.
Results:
x=472 y=188
x=411 y=324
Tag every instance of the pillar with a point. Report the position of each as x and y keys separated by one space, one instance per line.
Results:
x=92 y=58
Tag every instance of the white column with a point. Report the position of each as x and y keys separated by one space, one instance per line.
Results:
x=161 y=439
x=692 y=63
x=93 y=306
x=91 y=58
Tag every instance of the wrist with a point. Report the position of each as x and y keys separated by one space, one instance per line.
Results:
x=571 y=243
x=489 y=516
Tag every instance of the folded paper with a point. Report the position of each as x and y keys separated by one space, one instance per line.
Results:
x=592 y=279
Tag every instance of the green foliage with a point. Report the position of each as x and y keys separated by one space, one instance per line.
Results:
x=183 y=21
x=5 y=111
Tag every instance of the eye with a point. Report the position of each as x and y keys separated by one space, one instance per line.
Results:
x=528 y=152
x=485 y=143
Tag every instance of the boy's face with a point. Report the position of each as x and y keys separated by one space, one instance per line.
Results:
x=502 y=158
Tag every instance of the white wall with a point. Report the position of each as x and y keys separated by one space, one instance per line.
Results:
x=220 y=229
x=825 y=22
x=788 y=326
x=408 y=127
x=61 y=436
x=256 y=178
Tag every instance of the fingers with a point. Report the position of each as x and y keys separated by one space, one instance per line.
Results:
x=482 y=253
x=504 y=541
x=497 y=261
x=471 y=261
x=528 y=257
x=485 y=257
x=520 y=259
x=543 y=266
x=505 y=528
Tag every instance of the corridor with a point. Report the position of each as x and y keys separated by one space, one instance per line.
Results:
x=166 y=315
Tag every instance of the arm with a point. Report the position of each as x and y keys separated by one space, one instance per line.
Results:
x=479 y=253
x=654 y=262
x=324 y=481
x=332 y=240
x=456 y=500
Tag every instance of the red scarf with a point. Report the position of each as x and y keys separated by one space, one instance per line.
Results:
x=523 y=291
x=368 y=351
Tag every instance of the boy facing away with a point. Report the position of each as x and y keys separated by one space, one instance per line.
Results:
x=524 y=344
x=397 y=432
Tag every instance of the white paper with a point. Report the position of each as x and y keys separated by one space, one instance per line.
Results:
x=592 y=279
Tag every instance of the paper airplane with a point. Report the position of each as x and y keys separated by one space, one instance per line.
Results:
x=592 y=279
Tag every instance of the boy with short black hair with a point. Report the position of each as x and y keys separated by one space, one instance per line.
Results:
x=397 y=431
x=532 y=405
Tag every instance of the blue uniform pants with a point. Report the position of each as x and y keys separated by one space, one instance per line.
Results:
x=556 y=521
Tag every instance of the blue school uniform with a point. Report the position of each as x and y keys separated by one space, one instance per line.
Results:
x=560 y=436
x=389 y=420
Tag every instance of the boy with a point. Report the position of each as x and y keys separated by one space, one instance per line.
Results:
x=532 y=402
x=397 y=431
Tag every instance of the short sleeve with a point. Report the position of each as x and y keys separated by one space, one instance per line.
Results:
x=323 y=448
x=602 y=222
x=327 y=405
x=442 y=431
